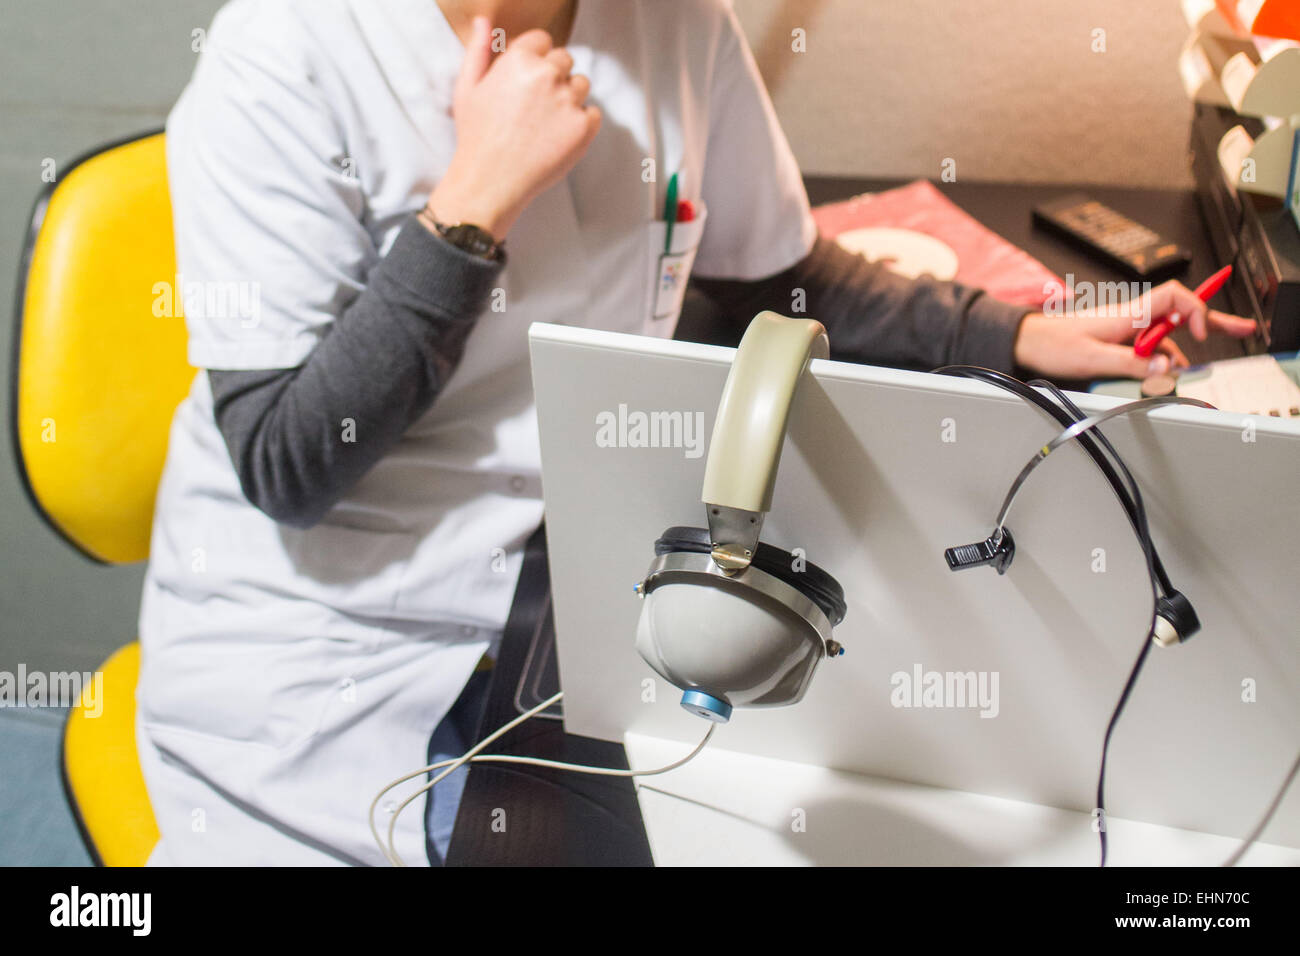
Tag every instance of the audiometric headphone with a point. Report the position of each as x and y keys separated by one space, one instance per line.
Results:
x=732 y=621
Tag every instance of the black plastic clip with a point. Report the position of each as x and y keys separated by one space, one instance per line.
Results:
x=997 y=549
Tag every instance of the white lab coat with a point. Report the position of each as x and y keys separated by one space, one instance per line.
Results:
x=288 y=674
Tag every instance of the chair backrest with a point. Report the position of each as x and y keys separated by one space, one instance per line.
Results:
x=99 y=349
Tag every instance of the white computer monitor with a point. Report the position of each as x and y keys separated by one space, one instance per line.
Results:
x=884 y=469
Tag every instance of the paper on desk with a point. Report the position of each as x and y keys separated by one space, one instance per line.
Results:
x=1255 y=385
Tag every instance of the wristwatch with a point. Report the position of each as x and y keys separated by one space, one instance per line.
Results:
x=475 y=240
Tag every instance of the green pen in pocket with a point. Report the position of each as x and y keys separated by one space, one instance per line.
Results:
x=670 y=213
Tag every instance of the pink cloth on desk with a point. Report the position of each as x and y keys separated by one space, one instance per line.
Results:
x=984 y=258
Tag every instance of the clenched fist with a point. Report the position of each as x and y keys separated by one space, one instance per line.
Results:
x=521 y=124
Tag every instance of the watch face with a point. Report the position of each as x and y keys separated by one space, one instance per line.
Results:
x=471 y=238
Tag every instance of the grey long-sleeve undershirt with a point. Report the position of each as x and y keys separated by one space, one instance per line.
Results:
x=381 y=364
x=875 y=316
x=384 y=360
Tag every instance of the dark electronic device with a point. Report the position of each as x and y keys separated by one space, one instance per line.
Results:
x=1256 y=234
x=1123 y=244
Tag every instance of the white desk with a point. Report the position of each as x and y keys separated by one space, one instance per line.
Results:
x=732 y=809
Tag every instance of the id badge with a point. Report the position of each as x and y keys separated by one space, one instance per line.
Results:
x=670 y=283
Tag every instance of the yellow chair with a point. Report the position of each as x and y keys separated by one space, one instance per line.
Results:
x=99 y=368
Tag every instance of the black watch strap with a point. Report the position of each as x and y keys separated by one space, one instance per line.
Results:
x=475 y=240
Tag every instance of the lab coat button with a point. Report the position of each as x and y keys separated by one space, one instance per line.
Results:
x=469 y=630
x=518 y=484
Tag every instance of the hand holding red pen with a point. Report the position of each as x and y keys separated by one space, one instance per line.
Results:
x=1151 y=336
x=1090 y=343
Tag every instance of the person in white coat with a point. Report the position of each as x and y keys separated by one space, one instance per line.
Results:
x=389 y=192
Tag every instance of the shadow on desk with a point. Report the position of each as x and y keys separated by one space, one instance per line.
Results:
x=856 y=833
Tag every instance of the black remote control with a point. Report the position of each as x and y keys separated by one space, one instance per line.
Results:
x=1126 y=245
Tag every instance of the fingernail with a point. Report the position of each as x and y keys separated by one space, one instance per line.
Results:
x=1158 y=365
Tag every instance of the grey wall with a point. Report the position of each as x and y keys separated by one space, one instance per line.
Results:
x=76 y=73
x=1009 y=89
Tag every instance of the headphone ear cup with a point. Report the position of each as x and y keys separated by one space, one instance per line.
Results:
x=729 y=641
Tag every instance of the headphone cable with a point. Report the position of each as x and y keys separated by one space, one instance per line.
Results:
x=473 y=755
x=1131 y=499
x=1065 y=419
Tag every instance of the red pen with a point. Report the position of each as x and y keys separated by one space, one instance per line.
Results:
x=1151 y=336
x=685 y=210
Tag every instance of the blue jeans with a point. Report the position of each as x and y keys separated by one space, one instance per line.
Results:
x=451 y=739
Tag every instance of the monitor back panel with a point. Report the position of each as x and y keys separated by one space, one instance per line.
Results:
x=882 y=470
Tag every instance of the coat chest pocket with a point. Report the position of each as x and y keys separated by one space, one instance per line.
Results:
x=669 y=263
